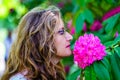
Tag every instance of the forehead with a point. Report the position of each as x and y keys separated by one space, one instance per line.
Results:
x=60 y=24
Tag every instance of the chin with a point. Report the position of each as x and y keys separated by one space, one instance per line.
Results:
x=65 y=53
x=69 y=54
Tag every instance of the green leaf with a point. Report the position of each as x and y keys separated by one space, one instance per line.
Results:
x=108 y=44
x=117 y=59
x=110 y=1
x=76 y=7
x=89 y=73
x=117 y=49
x=82 y=3
x=114 y=66
x=73 y=68
x=68 y=60
x=88 y=16
x=105 y=38
x=117 y=39
x=113 y=43
x=72 y=46
x=106 y=63
x=111 y=22
x=101 y=72
x=118 y=27
x=108 y=52
x=74 y=2
x=74 y=75
x=79 y=23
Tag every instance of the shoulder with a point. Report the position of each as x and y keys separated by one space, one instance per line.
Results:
x=18 y=76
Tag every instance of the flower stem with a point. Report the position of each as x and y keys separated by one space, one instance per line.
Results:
x=82 y=75
x=114 y=46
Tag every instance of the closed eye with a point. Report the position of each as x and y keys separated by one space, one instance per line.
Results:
x=61 y=32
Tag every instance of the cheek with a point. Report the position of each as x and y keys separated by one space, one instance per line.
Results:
x=60 y=44
x=63 y=51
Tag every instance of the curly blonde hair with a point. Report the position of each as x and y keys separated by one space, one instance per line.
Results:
x=34 y=46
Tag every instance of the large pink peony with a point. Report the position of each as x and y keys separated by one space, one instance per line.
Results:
x=88 y=49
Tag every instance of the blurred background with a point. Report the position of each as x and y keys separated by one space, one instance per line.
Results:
x=100 y=17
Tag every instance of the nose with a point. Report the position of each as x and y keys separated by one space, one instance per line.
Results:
x=68 y=36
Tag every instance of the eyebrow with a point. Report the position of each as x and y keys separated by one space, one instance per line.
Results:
x=62 y=28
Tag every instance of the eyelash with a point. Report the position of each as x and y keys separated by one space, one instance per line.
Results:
x=61 y=32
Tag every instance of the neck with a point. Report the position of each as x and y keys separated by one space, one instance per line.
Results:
x=55 y=59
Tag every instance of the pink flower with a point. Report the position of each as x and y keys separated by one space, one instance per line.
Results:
x=111 y=13
x=69 y=24
x=67 y=68
x=96 y=26
x=71 y=27
x=88 y=49
x=72 y=31
x=116 y=34
x=84 y=27
x=60 y=4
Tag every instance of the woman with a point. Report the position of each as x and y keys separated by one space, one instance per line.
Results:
x=40 y=45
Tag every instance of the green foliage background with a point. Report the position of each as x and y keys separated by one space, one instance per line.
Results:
x=80 y=12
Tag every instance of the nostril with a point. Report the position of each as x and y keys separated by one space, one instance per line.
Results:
x=69 y=36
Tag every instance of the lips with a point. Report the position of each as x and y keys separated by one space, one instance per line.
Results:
x=68 y=46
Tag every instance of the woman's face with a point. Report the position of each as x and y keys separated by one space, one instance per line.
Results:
x=62 y=41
